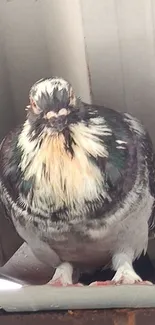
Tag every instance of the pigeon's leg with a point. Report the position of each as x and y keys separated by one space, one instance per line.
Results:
x=63 y=276
x=125 y=274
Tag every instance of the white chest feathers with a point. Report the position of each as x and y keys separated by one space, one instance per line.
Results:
x=60 y=177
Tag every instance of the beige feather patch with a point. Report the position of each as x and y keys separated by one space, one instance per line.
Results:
x=59 y=176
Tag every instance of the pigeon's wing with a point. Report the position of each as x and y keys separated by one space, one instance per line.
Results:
x=10 y=241
x=122 y=147
x=9 y=238
x=151 y=169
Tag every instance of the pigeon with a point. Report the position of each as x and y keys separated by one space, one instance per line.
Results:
x=78 y=183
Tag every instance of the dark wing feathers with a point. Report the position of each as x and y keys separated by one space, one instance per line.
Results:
x=121 y=164
x=10 y=241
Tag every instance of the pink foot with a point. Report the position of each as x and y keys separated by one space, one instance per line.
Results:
x=59 y=282
x=121 y=282
x=126 y=275
x=101 y=283
x=63 y=276
x=125 y=282
x=76 y=285
x=145 y=283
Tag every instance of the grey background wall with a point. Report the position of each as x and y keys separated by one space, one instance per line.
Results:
x=42 y=38
x=106 y=48
x=120 y=39
x=66 y=43
x=26 y=49
x=6 y=103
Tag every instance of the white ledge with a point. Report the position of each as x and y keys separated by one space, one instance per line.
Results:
x=45 y=297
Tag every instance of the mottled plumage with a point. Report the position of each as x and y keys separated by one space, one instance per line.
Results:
x=78 y=183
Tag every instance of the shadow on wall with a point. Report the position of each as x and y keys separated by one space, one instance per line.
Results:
x=105 y=48
x=120 y=47
x=39 y=41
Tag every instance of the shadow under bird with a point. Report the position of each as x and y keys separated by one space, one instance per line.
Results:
x=78 y=182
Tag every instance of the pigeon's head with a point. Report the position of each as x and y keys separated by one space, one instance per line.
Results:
x=53 y=105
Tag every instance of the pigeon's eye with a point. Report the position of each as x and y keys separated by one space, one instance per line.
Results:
x=34 y=107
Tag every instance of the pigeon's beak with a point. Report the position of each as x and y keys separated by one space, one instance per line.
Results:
x=27 y=107
x=58 y=121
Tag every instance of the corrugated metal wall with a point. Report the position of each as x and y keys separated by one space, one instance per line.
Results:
x=120 y=39
x=104 y=47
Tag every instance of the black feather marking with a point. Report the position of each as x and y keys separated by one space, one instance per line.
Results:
x=35 y=223
x=69 y=141
x=55 y=101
